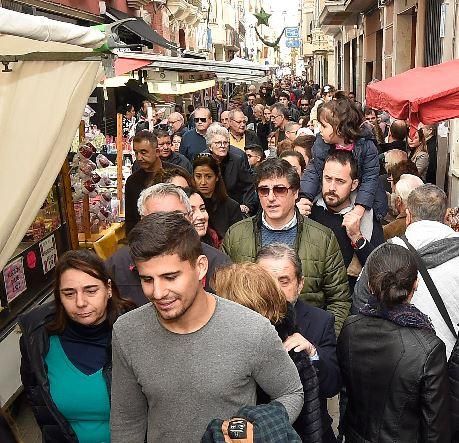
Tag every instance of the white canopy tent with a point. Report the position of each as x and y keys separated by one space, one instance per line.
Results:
x=44 y=88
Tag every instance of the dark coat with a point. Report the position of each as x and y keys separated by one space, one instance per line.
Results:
x=318 y=327
x=34 y=345
x=251 y=138
x=396 y=380
x=308 y=424
x=370 y=193
x=453 y=370
x=223 y=215
x=238 y=178
x=121 y=268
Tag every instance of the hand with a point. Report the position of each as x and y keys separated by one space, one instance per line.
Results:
x=298 y=343
x=304 y=206
x=351 y=221
x=244 y=209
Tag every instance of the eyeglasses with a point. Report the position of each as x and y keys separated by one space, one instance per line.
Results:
x=253 y=155
x=238 y=122
x=275 y=116
x=220 y=144
x=200 y=119
x=172 y=122
x=278 y=190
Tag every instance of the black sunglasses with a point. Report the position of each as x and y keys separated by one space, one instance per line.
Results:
x=201 y=119
x=278 y=190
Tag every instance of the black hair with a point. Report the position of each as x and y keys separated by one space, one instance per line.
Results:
x=285 y=95
x=392 y=273
x=220 y=193
x=343 y=116
x=160 y=133
x=368 y=111
x=343 y=158
x=256 y=148
x=164 y=233
x=277 y=168
x=126 y=108
x=399 y=130
x=88 y=262
x=290 y=153
x=146 y=135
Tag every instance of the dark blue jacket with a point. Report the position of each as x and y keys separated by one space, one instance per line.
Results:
x=370 y=193
x=192 y=144
x=318 y=327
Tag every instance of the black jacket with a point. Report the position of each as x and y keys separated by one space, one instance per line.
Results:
x=238 y=178
x=121 y=268
x=396 y=380
x=222 y=215
x=251 y=138
x=318 y=327
x=34 y=345
x=308 y=424
x=453 y=370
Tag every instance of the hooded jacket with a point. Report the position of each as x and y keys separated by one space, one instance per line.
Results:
x=370 y=192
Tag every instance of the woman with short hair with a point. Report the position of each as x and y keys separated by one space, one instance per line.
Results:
x=393 y=365
x=234 y=166
x=66 y=352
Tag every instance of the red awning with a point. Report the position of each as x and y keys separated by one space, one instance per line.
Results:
x=427 y=95
x=123 y=65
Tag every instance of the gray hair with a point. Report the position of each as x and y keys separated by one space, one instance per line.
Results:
x=233 y=113
x=162 y=190
x=216 y=129
x=280 y=251
x=405 y=185
x=177 y=116
x=290 y=125
x=427 y=202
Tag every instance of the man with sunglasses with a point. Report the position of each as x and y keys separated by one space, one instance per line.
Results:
x=325 y=283
x=194 y=141
x=240 y=136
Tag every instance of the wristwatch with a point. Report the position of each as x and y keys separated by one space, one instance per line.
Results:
x=359 y=244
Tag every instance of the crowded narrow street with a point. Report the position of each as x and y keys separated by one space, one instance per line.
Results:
x=229 y=221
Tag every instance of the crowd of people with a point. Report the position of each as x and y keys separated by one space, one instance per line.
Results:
x=281 y=251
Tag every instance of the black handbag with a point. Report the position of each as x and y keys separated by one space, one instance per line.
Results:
x=430 y=286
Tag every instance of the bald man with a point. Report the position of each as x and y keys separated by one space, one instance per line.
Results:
x=177 y=123
x=224 y=119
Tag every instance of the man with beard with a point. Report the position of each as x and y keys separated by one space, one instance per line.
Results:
x=339 y=185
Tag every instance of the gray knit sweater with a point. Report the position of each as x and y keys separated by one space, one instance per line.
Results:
x=169 y=386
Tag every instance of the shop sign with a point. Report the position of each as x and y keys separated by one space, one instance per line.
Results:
x=48 y=252
x=15 y=281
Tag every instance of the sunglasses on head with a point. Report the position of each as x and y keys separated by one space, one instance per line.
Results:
x=278 y=190
x=201 y=119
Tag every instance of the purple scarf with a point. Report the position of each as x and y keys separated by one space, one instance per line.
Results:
x=403 y=315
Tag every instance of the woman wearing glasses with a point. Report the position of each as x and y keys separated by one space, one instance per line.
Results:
x=223 y=211
x=234 y=167
x=66 y=353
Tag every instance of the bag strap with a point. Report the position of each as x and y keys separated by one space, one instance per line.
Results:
x=430 y=286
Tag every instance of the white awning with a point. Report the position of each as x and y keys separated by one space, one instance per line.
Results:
x=233 y=72
x=43 y=98
x=41 y=28
x=169 y=88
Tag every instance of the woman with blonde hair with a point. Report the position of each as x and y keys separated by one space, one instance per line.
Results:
x=253 y=287
x=418 y=153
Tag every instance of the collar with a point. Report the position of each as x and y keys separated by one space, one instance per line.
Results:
x=320 y=202
x=235 y=138
x=293 y=222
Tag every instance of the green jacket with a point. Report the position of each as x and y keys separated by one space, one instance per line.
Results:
x=325 y=280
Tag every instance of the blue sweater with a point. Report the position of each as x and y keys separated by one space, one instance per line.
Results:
x=287 y=236
x=192 y=144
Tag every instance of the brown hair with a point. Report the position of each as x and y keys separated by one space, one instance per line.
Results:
x=253 y=287
x=403 y=167
x=170 y=173
x=343 y=116
x=297 y=155
x=284 y=145
x=306 y=142
x=87 y=262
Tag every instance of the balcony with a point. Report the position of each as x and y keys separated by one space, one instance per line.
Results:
x=343 y=12
x=183 y=10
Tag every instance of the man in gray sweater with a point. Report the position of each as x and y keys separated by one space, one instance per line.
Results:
x=189 y=356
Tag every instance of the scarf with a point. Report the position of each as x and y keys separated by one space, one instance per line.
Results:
x=405 y=315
